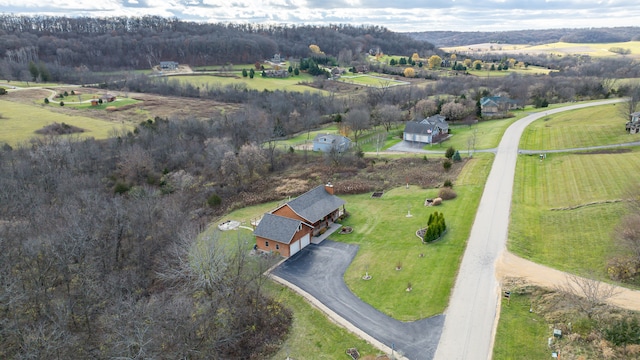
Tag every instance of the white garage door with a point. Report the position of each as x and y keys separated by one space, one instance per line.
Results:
x=305 y=240
x=294 y=248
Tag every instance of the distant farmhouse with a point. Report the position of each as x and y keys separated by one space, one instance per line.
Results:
x=633 y=125
x=497 y=105
x=426 y=131
x=290 y=227
x=328 y=142
x=168 y=65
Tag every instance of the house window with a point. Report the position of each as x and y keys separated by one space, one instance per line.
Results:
x=277 y=247
x=266 y=244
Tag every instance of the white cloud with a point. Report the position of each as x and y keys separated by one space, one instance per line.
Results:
x=399 y=15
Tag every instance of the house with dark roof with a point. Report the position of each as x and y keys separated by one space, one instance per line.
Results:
x=328 y=142
x=168 y=65
x=427 y=130
x=290 y=227
x=497 y=105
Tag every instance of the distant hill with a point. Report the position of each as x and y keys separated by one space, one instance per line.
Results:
x=531 y=37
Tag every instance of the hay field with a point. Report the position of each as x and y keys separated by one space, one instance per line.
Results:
x=601 y=125
x=566 y=207
x=20 y=121
x=293 y=83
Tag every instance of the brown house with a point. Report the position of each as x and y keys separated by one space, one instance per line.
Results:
x=289 y=228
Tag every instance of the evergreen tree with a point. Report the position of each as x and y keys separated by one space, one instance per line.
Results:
x=245 y=73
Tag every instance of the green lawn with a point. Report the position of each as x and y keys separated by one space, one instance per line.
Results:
x=560 y=213
x=118 y=103
x=371 y=81
x=520 y=334
x=25 y=84
x=601 y=125
x=20 y=122
x=292 y=83
x=487 y=134
x=386 y=237
x=313 y=335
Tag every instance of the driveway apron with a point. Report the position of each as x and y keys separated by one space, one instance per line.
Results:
x=319 y=270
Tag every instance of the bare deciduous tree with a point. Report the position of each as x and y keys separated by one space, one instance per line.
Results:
x=589 y=293
x=358 y=120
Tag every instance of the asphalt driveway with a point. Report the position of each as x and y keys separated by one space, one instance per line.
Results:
x=319 y=270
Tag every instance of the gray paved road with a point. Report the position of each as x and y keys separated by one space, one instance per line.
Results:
x=319 y=270
x=470 y=318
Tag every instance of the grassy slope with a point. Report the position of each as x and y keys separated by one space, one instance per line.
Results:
x=20 y=121
x=594 y=126
x=576 y=240
x=387 y=237
x=257 y=83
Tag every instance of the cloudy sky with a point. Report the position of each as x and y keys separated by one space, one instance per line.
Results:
x=397 y=15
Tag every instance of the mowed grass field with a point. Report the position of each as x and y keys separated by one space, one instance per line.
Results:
x=370 y=81
x=594 y=126
x=19 y=123
x=293 y=83
x=386 y=237
x=566 y=207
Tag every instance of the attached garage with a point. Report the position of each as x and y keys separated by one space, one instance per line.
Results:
x=305 y=240
x=294 y=247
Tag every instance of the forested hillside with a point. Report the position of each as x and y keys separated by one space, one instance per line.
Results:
x=532 y=37
x=101 y=44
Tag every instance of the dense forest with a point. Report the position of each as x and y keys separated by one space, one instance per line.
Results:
x=531 y=37
x=100 y=44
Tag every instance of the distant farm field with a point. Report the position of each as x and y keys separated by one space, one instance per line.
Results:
x=558 y=48
x=19 y=122
x=566 y=207
x=371 y=81
x=293 y=83
x=594 y=126
x=529 y=70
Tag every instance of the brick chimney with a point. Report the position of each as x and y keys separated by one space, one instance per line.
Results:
x=329 y=188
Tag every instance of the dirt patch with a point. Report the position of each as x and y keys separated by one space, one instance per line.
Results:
x=510 y=265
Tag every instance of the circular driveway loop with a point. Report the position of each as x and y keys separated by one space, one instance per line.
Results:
x=319 y=270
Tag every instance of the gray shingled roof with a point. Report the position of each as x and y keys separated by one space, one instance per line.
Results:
x=277 y=228
x=414 y=127
x=315 y=204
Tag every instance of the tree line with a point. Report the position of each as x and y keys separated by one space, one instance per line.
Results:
x=117 y=43
x=531 y=37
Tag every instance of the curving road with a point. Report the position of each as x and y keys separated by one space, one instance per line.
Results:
x=470 y=319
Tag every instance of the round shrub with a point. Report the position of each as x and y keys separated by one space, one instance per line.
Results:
x=447 y=193
x=61 y=103
x=447 y=165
